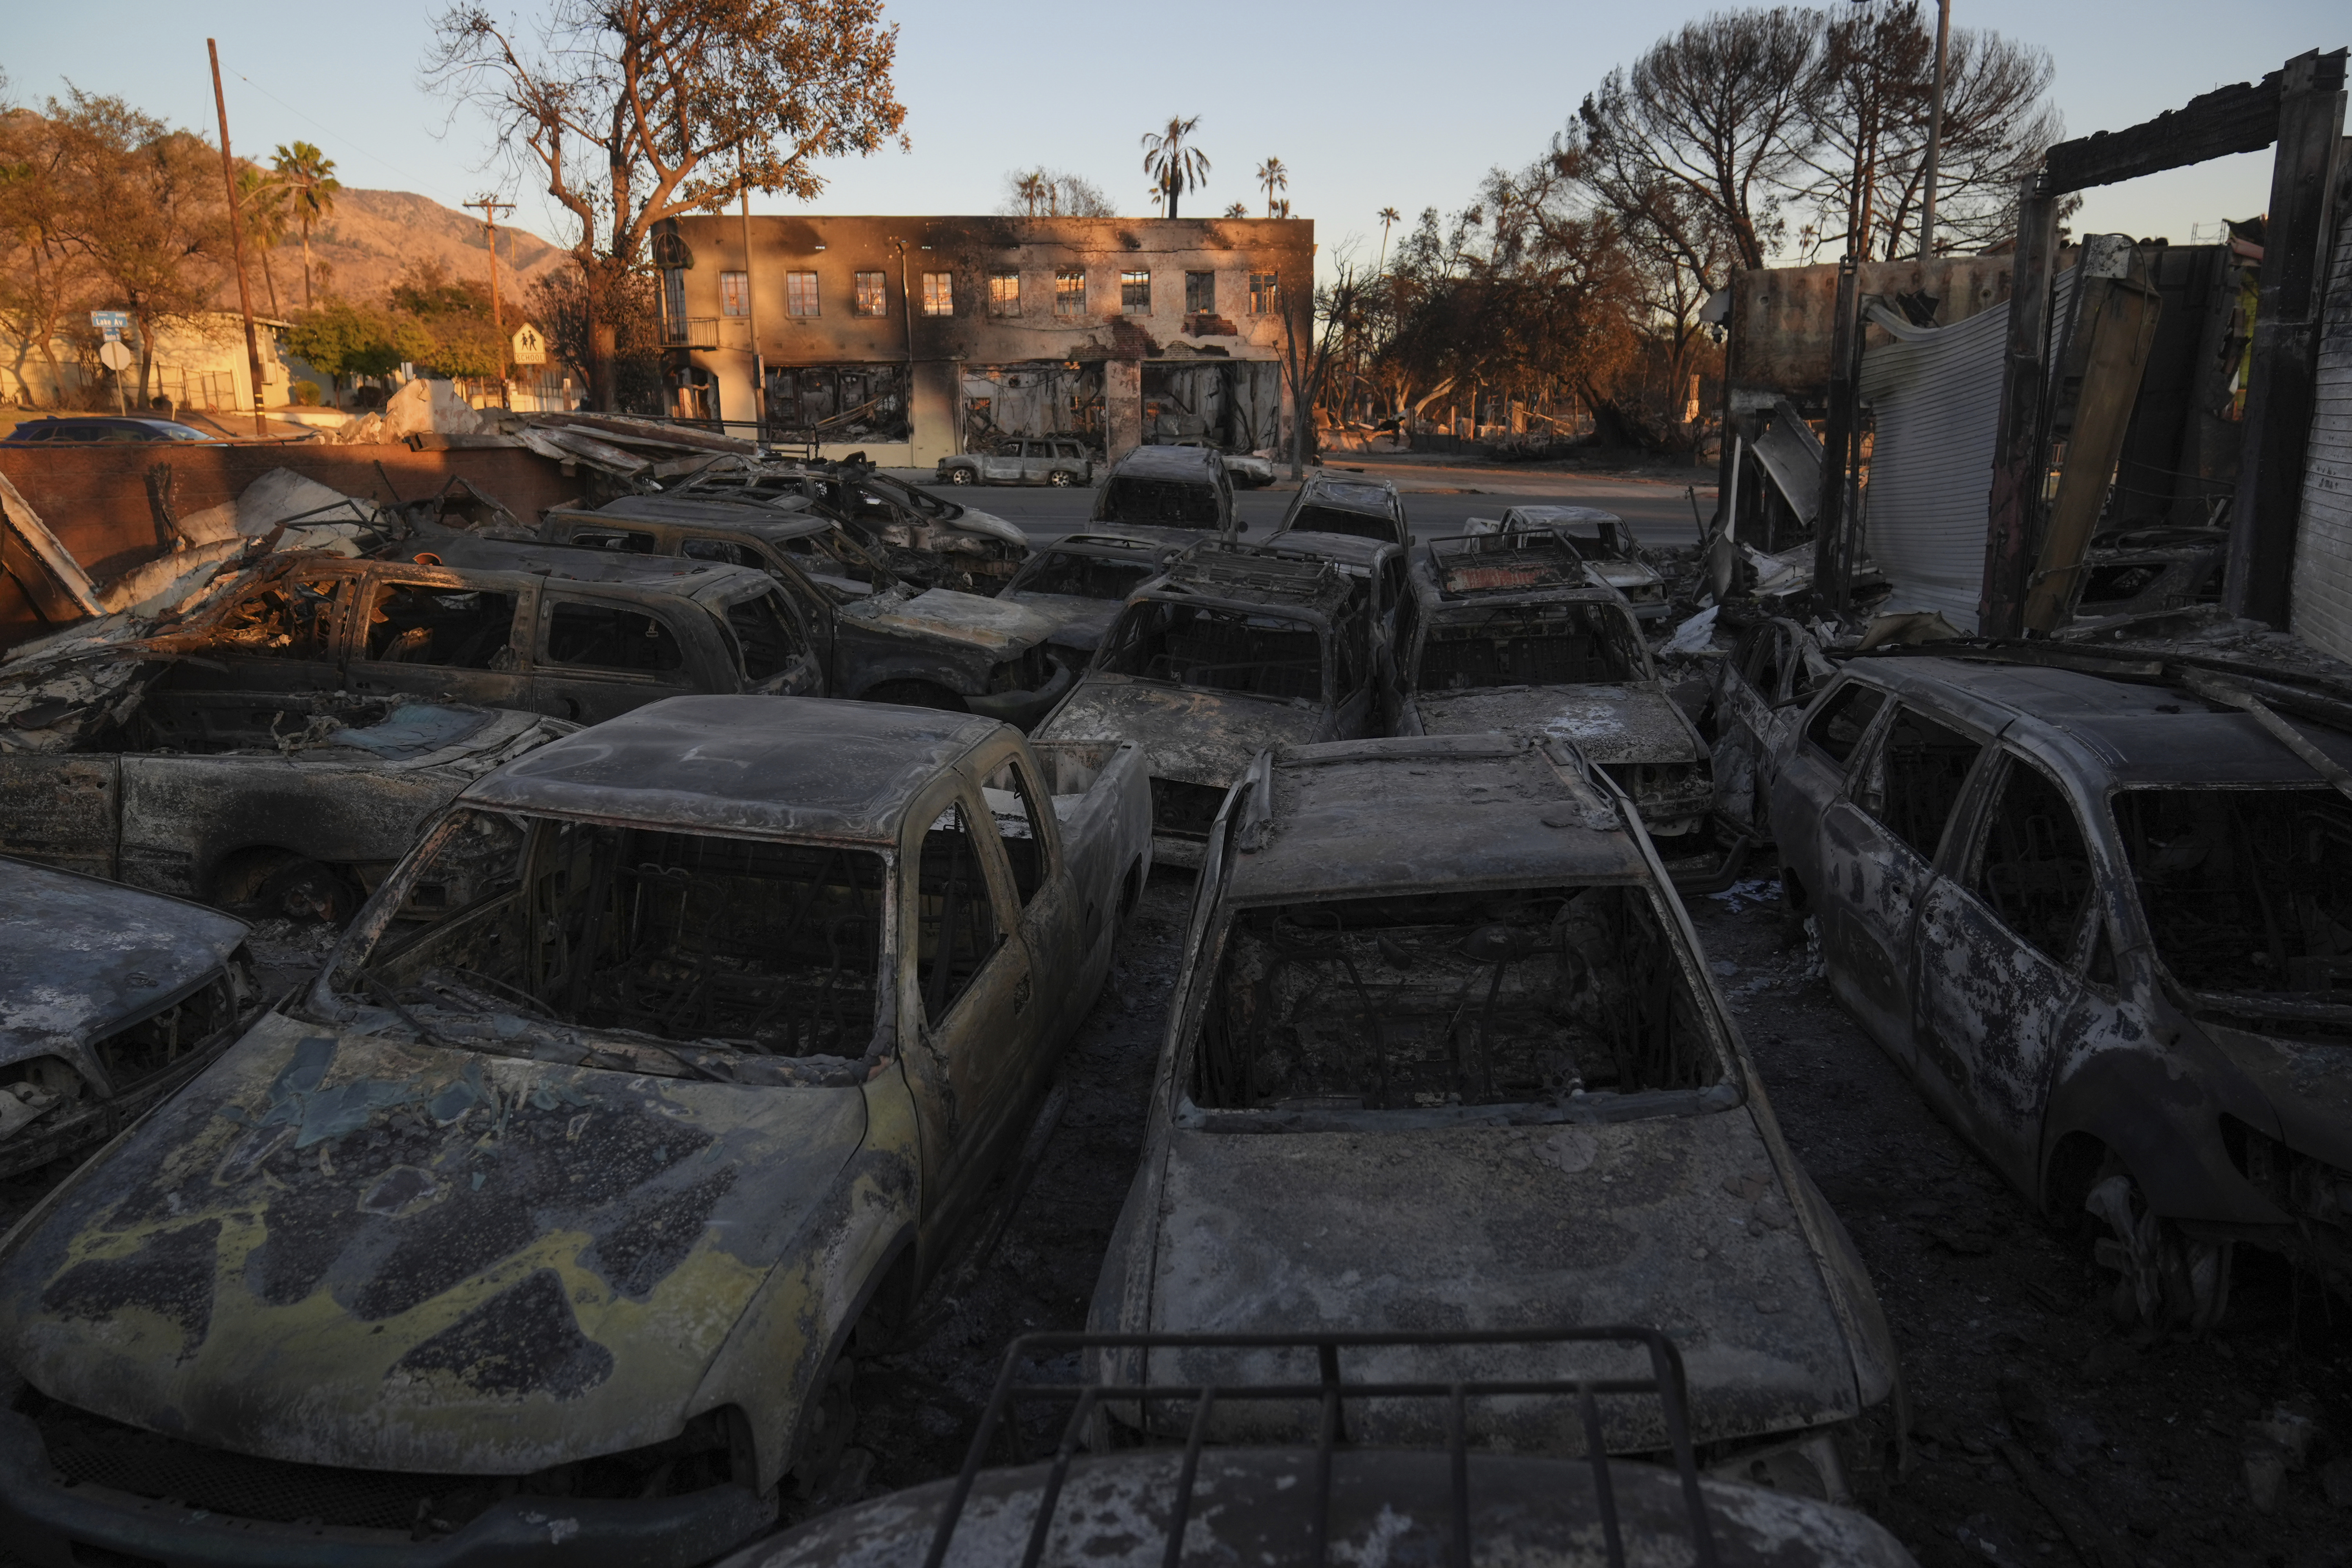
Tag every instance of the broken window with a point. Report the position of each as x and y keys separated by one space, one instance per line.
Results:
x=2035 y=869
x=293 y=618
x=1127 y=499
x=1070 y=291
x=771 y=948
x=955 y=919
x=767 y=636
x=1568 y=643
x=1429 y=1000
x=1019 y=824
x=734 y=293
x=1913 y=781
x=872 y=297
x=1838 y=727
x=1068 y=573
x=630 y=541
x=938 y=293
x=800 y=294
x=1260 y=652
x=673 y=304
x=602 y=636
x=1200 y=293
x=1265 y=293
x=1004 y=293
x=727 y=552
x=1135 y=293
x=412 y=623
x=2245 y=890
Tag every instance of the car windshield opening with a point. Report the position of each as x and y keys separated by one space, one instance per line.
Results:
x=765 y=636
x=1169 y=503
x=1529 y=644
x=1339 y=520
x=1076 y=576
x=1252 y=651
x=1429 y=1000
x=741 y=945
x=2245 y=890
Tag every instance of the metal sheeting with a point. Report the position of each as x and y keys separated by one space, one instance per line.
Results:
x=1936 y=395
x=2322 y=611
x=1792 y=453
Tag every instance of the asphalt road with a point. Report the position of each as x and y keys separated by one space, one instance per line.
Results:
x=1438 y=499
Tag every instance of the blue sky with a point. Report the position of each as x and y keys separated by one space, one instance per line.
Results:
x=1372 y=104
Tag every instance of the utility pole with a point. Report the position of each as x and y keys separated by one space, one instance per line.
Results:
x=1935 y=130
x=491 y=207
x=237 y=242
x=907 y=304
x=751 y=325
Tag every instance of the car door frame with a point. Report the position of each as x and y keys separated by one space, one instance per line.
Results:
x=549 y=677
x=488 y=688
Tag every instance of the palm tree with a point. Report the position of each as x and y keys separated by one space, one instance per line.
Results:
x=1389 y=216
x=1273 y=177
x=262 y=201
x=1238 y=209
x=1032 y=190
x=308 y=176
x=1174 y=168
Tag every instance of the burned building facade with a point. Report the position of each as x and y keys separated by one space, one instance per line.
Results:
x=915 y=338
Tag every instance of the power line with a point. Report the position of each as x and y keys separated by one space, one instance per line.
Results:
x=334 y=136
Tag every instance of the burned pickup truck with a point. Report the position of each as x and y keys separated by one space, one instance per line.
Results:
x=2107 y=929
x=1235 y=650
x=1513 y=634
x=110 y=1000
x=1443 y=1050
x=926 y=538
x=537 y=1230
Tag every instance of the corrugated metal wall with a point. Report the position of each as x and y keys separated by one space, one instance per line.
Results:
x=2321 y=613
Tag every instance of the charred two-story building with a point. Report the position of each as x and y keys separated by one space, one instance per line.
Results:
x=912 y=338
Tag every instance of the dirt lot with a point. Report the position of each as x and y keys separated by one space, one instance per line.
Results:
x=2043 y=1435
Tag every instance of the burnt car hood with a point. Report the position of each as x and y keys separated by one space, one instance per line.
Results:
x=1680 y=1224
x=1196 y=737
x=991 y=628
x=1076 y=622
x=391 y=1256
x=1631 y=723
x=80 y=957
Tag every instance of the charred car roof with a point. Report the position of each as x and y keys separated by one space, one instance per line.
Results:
x=790 y=766
x=1199 y=465
x=1377 y=497
x=80 y=956
x=1485 y=569
x=1420 y=811
x=1564 y=516
x=2135 y=734
x=1352 y=552
x=569 y=563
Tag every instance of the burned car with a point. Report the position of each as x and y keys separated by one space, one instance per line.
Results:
x=1080 y=581
x=927 y=540
x=1184 y=488
x=1758 y=695
x=110 y=1000
x=1057 y=460
x=1607 y=544
x=296 y=808
x=1330 y=504
x=2107 y=930
x=540 y=1227
x=1182 y=1500
x=874 y=639
x=1235 y=650
x=1443 y=1050
x=1512 y=633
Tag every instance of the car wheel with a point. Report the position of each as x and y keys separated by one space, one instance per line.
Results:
x=1060 y=478
x=306 y=892
x=2166 y=1280
x=959 y=475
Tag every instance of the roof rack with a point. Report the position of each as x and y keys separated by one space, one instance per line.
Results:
x=1220 y=565
x=1518 y=563
x=1664 y=1383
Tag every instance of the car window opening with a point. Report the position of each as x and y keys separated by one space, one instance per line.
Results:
x=1838 y=727
x=755 y=947
x=416 y=624
x=767 y=637
x=1339 y=520
x=1913 y=781
x=603 y=637
x=1128 y=497
x=290 y=618
x=1078 y=576
x=1543 y=644
x=1216 y=649
x=1447 y=1000
x=955 y=913
x=2246 y=890
x=2034 y=870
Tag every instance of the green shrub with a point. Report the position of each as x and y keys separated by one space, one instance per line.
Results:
x=306 y=393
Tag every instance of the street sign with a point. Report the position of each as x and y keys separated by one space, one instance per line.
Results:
x=114 y=354
x=114 y=323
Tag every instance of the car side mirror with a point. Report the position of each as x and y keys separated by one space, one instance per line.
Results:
x=1240 y=527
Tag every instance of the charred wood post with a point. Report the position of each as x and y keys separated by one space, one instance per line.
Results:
x=1831 y=553
x=2021 y=439
x=2310 y=128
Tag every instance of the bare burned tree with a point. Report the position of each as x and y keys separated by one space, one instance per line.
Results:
x=637 y=110
x=1316 y=326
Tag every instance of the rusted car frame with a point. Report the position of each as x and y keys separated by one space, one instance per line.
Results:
x=2099 y=924
x=539 y=1229
x=1445 y=1049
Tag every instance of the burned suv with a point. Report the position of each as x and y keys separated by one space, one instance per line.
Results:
x=927 y=540
x=1514 y=634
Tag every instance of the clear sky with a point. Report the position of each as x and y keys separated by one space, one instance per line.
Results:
x=1372 y=104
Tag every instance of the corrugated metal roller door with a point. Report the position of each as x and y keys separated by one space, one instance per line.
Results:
x=2321 y=613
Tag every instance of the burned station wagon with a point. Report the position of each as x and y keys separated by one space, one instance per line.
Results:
x=539 y=1229
x=2107 y=929
x=1513 y=634
x=110 y=1000
x=1443 y=1050
x=1235 y=649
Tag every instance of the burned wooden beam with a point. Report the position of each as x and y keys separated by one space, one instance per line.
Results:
x=2018 y=452
x=2240 y=117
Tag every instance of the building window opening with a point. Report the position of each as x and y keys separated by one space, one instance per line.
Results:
x=673 y=297
x=734 y=293
x=1070 y=292
x=1004 y=294
x=873 y=296
x=1135 y=293
x=1200 y=293
x=1265 y=293
x=800 y=294
x=938 y=293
